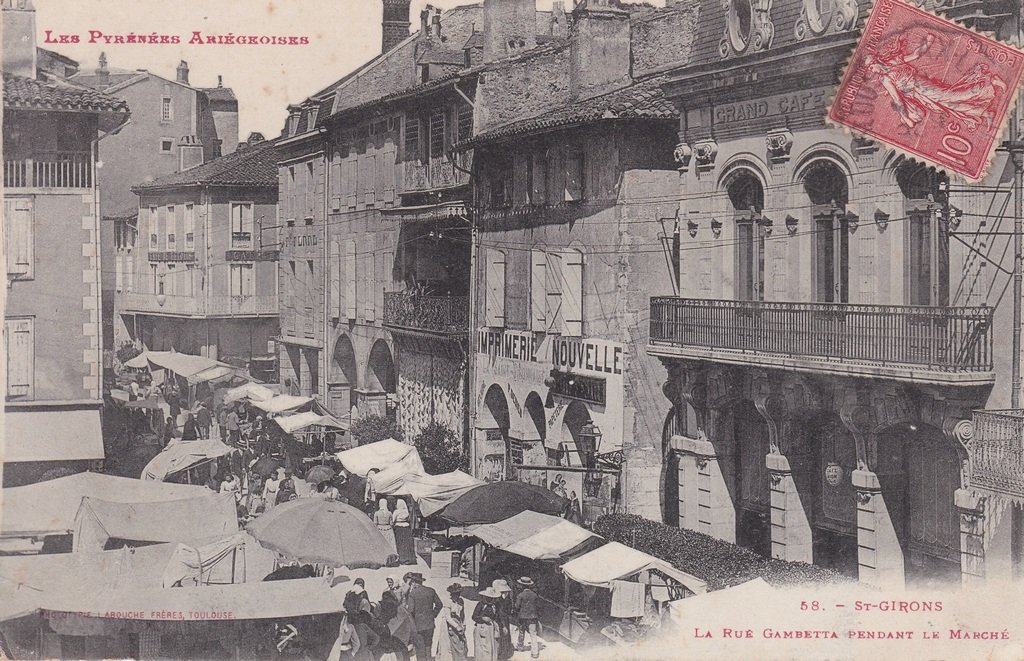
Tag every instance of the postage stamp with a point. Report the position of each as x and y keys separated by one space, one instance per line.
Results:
x=930 y=87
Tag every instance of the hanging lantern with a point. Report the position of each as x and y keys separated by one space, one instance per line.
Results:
x=588 y=440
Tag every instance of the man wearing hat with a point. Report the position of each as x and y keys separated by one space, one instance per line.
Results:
x=526 y=611
x=424 y=606
x=504 y=603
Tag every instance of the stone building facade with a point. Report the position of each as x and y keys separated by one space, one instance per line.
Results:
x=835 y=326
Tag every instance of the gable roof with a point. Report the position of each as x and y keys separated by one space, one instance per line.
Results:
x=643 y=99
x=52 y=93
x=248 y=166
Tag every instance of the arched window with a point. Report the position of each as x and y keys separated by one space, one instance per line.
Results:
x=827 y=191
x=746 y=196
x=927 y=238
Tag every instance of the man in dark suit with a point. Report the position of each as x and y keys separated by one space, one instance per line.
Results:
x=424 y=605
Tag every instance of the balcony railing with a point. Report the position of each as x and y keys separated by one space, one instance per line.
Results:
x=438 y=172
x=197 y=306
x=447 y=315
x=49 y=169
x=997 y=452
x=942 y=339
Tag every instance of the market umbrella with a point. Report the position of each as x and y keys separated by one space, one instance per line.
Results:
x=325 y=532
x=318 y=474
x=266 y=465
x=497 y=501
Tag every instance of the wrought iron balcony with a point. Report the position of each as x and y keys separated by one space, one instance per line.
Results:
x=881 y=340
x=997 y=452
x=445 y=315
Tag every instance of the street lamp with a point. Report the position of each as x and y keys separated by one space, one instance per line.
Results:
x=588 y=440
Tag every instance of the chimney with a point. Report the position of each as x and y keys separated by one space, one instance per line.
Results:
x=183 y=72
x=19 y=37
x=190 y=152
x=395 y=24
x=102 y=72
x=220 y=81
x=435 y=24
x=425 y=22
x=510 y=27
x=599 y=48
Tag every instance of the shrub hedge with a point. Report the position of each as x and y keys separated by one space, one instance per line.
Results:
x=372 y=428
x=714 y=561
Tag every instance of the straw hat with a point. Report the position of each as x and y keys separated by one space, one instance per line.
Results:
x=491 y=593
x=525 y=581
x=501 y=585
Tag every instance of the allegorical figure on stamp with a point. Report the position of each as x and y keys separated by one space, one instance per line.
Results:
x=969 y=100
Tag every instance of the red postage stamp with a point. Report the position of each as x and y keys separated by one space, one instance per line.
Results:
x=930 y=87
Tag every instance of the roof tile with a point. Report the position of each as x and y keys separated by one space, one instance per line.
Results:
x=56 y=94
x=248 y=166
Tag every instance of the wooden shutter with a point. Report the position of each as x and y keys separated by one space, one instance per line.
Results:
x=572 y=293
x=350 y=181
x=553 y=270
x=366 y=276
x=866 y=269
x=379 y=280
x=18 y=236
x=20 y=357
x=574 y=173
x=118 y=272
x=350 y=279
x=334 y=266
x=538 y=290
x=389 y=159
x=336 y=186
x=494 y=306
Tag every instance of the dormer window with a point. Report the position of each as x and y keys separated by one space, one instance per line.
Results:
x=293 y=124
x=312 y=117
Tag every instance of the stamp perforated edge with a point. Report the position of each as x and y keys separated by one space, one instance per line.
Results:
x=1013 y=88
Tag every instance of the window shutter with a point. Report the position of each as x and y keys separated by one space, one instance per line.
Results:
x=494 y=307
x=334 y=265
x=370 y=163
x=336 y=186
x=553 y=316
x=247 y=284
x=378 y=281
x=538 y=290
x=574 y=174
x=350 y=180
x=118 y=272
x=389 y=173
x=369 y=313
x=18 y=236
x=572 y=293
x=20 y=357
x=247 y=218
x=350 y=279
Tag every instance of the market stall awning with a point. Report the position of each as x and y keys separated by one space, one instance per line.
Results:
x=431 y=492
x=52 y=435
x=49 y=508
x=283 y=403
x=182 y=455
x=615 y=561
x=98 y=521
x=218 y=373
x=382 y=454
x=196 y=369
x=244 y=601
x=299 y=421
x=533 y=535
x=255 y=392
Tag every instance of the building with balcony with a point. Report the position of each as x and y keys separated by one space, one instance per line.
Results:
x=52 y=336
x=575 y=210
x=197 y=270
x=171 y=117
x=384 y=326
x=837 y=315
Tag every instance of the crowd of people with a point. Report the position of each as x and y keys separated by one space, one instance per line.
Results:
x=405 y=624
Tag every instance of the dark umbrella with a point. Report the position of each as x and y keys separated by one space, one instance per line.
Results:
x=324 y=532
x=318 y=474
x=265 y=466
x=497 y=501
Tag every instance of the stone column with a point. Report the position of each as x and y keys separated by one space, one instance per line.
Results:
x=791 y=528
x=971 y=509
x=879 y=553
x=705 y=503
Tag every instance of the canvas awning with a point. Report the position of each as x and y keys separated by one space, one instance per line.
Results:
x=194 y=368
x=382 y=454
x=431 y=492
x=252 y=391
x=533 y=535
x=182 y=455
x=50 y=507
x=283 y=403
x=218 y=372
x=615 y=561
x=52 y=435
x=299 y=421
x=208 y=516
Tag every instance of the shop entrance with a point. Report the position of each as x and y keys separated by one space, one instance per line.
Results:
x=834 y=530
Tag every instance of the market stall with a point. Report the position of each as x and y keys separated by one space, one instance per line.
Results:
x=182 y=460
x=253 y=392
x=48 y=509
x=380 y=455
x=431 y=493
x=620 y=592
x=101 y=523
